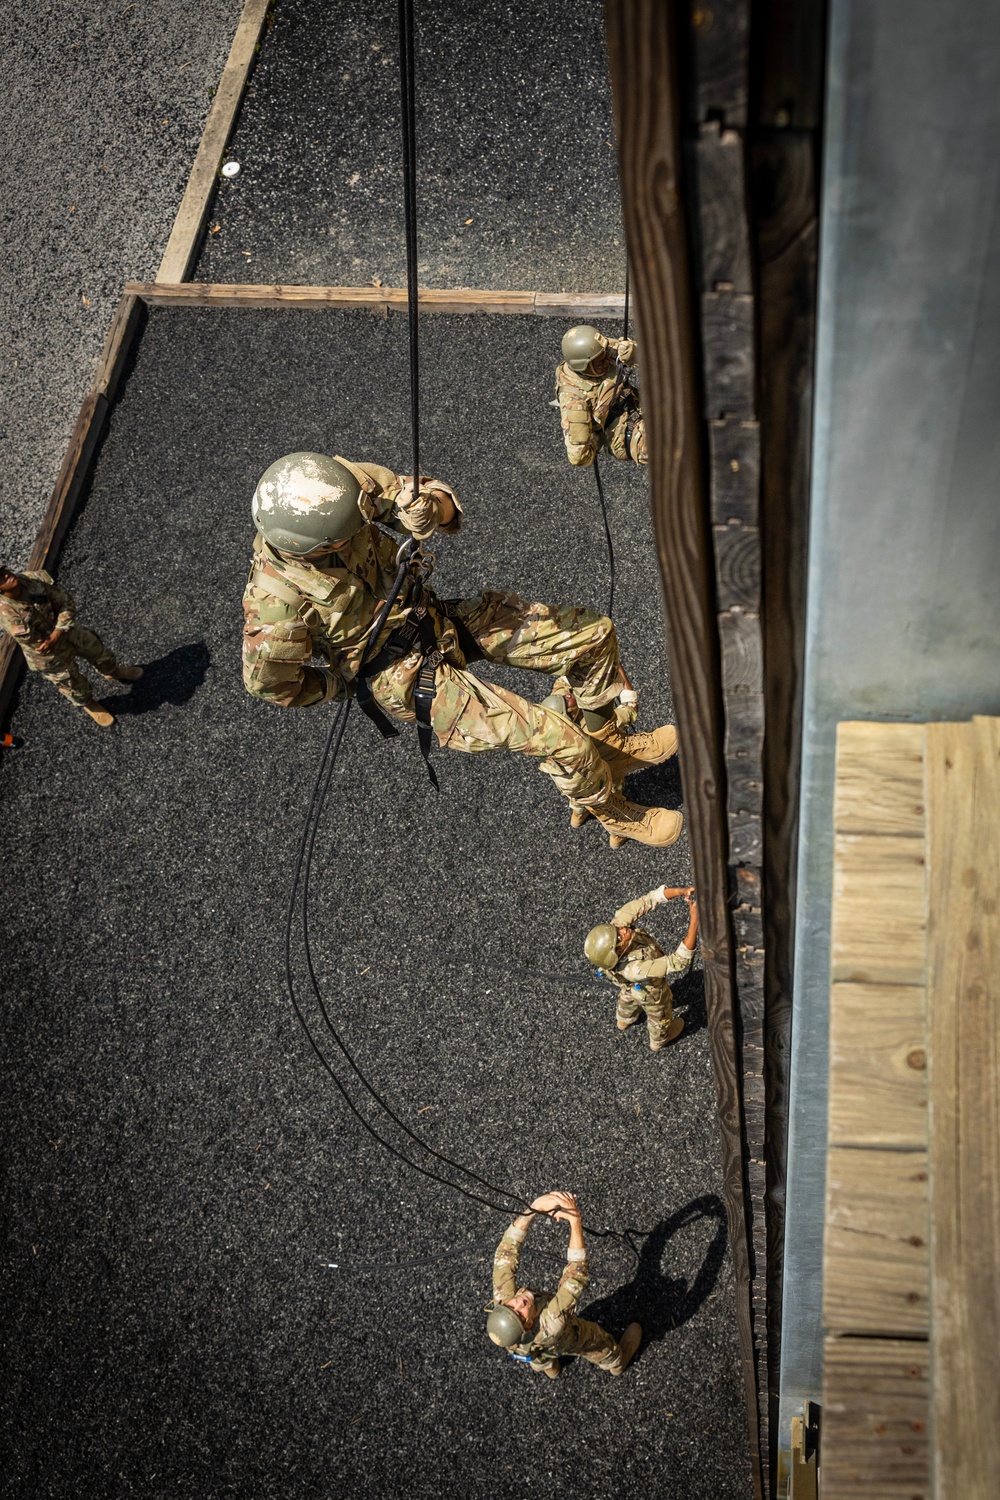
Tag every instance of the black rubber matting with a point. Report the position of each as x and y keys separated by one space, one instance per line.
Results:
x=180 y=1172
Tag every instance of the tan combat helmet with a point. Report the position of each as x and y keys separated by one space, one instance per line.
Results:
x=505 y=1328
x=581 y=346
x=306 y=501
x=601 y=946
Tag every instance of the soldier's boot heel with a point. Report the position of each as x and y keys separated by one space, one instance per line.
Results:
x=656 y=827
x=553 y=1371
x=579 y=816
x=127 y=674
x=629 y=1345
x=99 y=714
x=672 y=1033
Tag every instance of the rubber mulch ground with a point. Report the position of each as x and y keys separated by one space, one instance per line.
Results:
x=181 y=1173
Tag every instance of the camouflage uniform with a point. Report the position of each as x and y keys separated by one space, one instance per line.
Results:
x=601 y=411
x=41 y=608
x=558 y=1330
x=295 y=607
x=640 y=976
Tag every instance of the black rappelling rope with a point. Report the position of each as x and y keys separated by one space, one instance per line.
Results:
x=303 y=863
x=597 y=475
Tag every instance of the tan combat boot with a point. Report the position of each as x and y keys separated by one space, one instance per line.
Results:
x=628 y=1344
x=673 y=1032
x=624 y=753
x=553 y=1371
x=126 y=674
x=656 y=826
x=99 y=714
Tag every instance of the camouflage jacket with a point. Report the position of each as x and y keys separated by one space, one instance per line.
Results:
x=585 y=404
x=295 y=608
x=644 y=962
x=558 y=1311
x=41 y=608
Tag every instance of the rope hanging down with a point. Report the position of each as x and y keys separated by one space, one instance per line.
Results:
x=511 y=1202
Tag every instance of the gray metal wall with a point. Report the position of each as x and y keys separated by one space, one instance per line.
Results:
x=904 y=569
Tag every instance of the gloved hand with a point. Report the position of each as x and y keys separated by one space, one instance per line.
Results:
x=627 y=708
x=421 y=514
x=625 y=350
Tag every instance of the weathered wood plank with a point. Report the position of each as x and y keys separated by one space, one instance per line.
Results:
x=727 y=326
x=737 y=566
x=742 y=656
x=185 y=236
x=746 y=838
x=963 y=795
x=745 y=726
x=880 y=779
x=723 y=232
x=720 y=41
x=72 y=477
x=735 y=458
x=878 y=1065
x=124 y=326
x=378 y=298
x=879 y=927
x=876 y=1403
x=876 y=1258
x=643 y=69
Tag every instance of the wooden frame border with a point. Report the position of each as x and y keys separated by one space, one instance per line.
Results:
x=188 y=226
x=378 y=298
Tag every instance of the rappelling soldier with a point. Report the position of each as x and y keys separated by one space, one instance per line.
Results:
x=638 y=967
x=598 y=405
x=41 y=618
x=322 y=569
x=538 y=1328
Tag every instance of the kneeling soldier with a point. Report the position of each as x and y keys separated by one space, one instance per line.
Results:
x=536 y=1327
x=41 y=618
x=322 y=569
x=637 y=966
x=598 y=405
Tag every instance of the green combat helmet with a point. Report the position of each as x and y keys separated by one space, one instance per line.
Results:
x=581 y=346
x=306 y=501
x=505 y=1328
x=601 y=946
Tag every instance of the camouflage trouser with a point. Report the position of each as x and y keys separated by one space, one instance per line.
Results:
x=584 y=1340
x=59 y=665
x=471 y=715
x=625 y=445
x=656 y=1003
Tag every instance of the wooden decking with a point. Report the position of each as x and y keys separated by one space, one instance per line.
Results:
x=911 y=1291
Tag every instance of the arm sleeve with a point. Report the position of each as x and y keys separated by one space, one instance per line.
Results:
x=505 y=1264
x=64 y=606
x=276 y=663
x=572 y=1284
x=582 y=442
x=626 y=915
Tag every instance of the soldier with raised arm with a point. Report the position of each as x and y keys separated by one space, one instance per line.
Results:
x=637 y=966
x=41 y=618
x=539 y=1328
x=598 y=405
x=324 y=565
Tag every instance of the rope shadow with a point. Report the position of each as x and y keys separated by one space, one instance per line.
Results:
x=173 y=679
x=657 y=1300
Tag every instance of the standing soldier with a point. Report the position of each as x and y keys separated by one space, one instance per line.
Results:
x=598 y=405
x=321 y=571
x=538 y=1328
x=41 y=618
x=637 y=966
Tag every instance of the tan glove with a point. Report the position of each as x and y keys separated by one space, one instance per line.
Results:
x=420 y=514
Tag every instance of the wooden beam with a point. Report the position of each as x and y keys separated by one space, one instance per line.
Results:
x=876 y=1256
x=963 y=800
x=642 y=59
x=879 y=909
x=878 y=1065
x=577 y=305
x=185 y=236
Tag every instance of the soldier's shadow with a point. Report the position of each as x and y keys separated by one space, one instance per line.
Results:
x=655 y=1298
x=689 y=997
x=657 y=786
x=173 y=678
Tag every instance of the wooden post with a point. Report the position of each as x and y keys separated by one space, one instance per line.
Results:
x=642 y=59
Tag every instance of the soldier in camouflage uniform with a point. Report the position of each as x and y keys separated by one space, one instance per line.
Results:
x=518 y=1309
x=637 y=966
x=41 y=618
x=598 y=406
x=321 y=570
